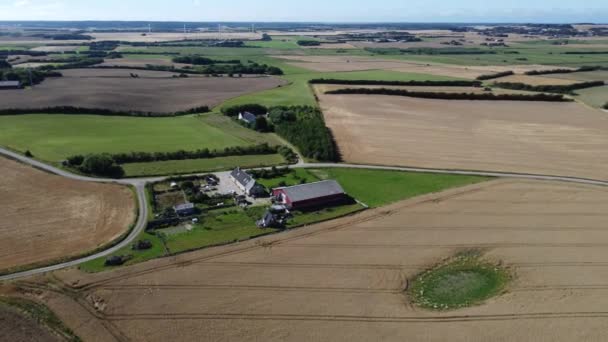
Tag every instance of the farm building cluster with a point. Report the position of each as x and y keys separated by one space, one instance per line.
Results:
x=187 y=200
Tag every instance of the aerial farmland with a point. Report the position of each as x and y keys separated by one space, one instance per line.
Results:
x=298 y=182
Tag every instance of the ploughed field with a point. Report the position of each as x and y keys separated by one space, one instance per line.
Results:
x=344 y=280
x=152 y=91
x=565 y=139
x=46 y=217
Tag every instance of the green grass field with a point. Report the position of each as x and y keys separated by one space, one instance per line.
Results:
x=377 y=187
x=174 y=167
x=156 y=251
x=464 y=281
x=55 y=137
x=299 y=92
x=595 y=97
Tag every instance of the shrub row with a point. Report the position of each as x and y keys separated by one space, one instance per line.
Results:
x=398 y=83
x=496 y=75
x=431 y=51
x=563 y=71
x=149 y=157
x=452 y=96
x=560 y=89
x=4 y=53
x=23 y=75
x=98 y=111
x=200 y=60
x=251 y=69
x=606 y=106
x=309 y=43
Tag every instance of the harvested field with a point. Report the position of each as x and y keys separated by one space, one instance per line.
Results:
x=527 y=137
x=153 y=91
x=58 y=48
x=47 y=217
x=346 y=63
x=344 y=280
x=534 y=80
x=17 y=327
x=601 y=75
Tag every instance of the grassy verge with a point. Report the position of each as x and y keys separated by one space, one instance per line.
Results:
x=175 y=167
x=42 y=315
x=463 y=281
x=157 y=250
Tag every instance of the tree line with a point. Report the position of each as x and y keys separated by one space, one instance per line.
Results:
x=309 y=43
x=563 y=71
x=452 y=96
x=214 y=69
x=496 y=75
x=455 y=83
x=99 y=111
x=560 y=89
x=200 y=60
x=27 y=77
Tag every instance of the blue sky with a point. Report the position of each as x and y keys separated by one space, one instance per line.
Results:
x=309 y=10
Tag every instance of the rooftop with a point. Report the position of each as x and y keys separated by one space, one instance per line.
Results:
x=241 y=176
x=10 y=84
x=185 y=206
x=309 y=191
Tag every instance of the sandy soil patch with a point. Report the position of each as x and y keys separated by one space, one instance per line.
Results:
x=344 y=280
x=153 y=91
x=47 y=217
x=528 y=137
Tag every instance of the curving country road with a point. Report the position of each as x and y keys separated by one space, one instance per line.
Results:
x=140 y=183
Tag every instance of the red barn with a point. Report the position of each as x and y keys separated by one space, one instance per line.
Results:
x=311 y=195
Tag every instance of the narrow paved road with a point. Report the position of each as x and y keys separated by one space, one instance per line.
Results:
x=139 y=184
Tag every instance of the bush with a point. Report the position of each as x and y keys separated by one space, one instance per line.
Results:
x=141 y=245
x=309 y=43
x=4 y=64
x=102 y=165
x=200 y=60
x=251 y=108
x=453 y=96
x=606 y=105
x=261 y=124
x=399 y=83
x=76 y=160
x=28 y=154
x=496 y=75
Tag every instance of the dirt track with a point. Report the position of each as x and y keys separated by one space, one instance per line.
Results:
x=343 y=280
x=153 y=91
x=564 y=139
x=47 y=217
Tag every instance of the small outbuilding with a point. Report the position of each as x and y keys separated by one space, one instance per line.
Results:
x=6 y=85
x=311 y=195
x=185 y=209
x=248 y=118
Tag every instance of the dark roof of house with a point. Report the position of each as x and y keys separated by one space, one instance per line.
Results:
x=185 y=206
x=249 y=117
x=241 y=176
x=310 y=191
x=10 y=84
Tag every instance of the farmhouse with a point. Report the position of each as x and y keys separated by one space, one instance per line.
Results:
x=311 y=195
x=185 y=209
x=246 y=183
x=10 y=85
x=247 y=117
